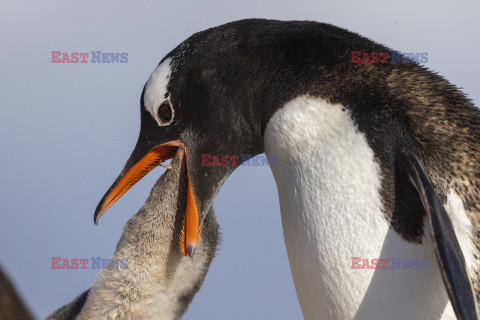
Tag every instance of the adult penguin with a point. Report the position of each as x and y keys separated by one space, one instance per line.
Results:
x=375 y=161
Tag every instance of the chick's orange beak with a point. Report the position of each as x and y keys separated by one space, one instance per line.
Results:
x=190 y=232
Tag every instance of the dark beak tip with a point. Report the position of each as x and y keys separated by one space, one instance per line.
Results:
x=95 y=219
x=191 y=250
x=97 y=214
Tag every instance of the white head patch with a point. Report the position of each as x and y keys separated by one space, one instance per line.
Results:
x=156 y=90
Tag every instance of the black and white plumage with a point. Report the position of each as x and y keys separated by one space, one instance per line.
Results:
x=374 y=161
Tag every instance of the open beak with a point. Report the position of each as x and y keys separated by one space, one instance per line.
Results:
x=190 y=231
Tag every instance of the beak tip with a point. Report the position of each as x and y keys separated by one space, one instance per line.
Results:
x=97 y=214
x=191 y=250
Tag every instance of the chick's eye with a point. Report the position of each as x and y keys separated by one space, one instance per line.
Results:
x=165 y=112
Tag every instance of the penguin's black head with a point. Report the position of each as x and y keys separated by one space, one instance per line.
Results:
x=204 y=101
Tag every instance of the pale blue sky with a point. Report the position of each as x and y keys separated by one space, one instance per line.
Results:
x=67 y=130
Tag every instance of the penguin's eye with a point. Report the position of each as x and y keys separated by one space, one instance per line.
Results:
x=164 y=112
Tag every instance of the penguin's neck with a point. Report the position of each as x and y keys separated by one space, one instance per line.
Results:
x=158 y=282
x=329 y=189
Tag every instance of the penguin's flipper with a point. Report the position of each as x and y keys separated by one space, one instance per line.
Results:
x=447 y=249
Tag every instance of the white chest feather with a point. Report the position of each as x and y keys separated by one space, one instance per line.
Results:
x=328 y=184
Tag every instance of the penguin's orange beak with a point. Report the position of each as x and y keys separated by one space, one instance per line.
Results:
x=190 y=233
